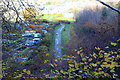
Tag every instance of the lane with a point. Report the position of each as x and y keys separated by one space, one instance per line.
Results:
x=57 y=46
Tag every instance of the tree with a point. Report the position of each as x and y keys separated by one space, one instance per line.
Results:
x=29 y=14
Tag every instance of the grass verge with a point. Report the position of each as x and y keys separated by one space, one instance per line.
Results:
x=65 y=37
x=65 y=34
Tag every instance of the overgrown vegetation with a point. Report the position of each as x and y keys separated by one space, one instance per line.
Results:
x=93 y=51
x=93 y=28
x=103 y=63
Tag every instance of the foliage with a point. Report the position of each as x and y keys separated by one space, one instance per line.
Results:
x=93 y=27
x=104 y=13
x=117 y=5
x=25 y=73
x=43 y=49
x=47 y=39
x=104 y=64
x=29 y=14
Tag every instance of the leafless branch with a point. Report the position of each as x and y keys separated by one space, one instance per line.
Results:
x=109 y=6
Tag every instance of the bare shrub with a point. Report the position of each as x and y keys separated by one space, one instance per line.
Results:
x=95 y=27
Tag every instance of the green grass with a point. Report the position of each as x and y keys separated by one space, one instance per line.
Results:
x=51 y=47
x=65 y=18
x=56 y=17
x=57 y=27
x=65 y=37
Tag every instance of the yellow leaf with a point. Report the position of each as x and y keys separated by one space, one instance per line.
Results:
x=107 y=66
x=76 y=65
x=92 y=64
x=101 y=51
x=99 y=68
x=114 y=44
x=78 y=52
x=45 y=61
x=98 y=62
x=104 y=63
x=56 y=64
x=101 y=72
x=28 y=72
x=106 y=55
x=71 y=65
x=41 y=70
x=20 y=75
x=70 y=61
x=75 y=49
x=68 y=56
x=80 y=71
x=47 y=75
x=51 y=71
x=115 y=75
x=114 y=63
x=101 y=56
x=24 y=70
x=107 y=47
x=61 y=71
x=90 y=59
x=95 y=73
x=85 y=67
x=118 y=56
x=117 y=65
x=56 y=60
x=47 y=54
x=52 y=65
x=84 y=59
x=81 y=63
x=106 y=74
x=94 y=55
x=118 y=40
x=97 y=48
x=112 y=70
x=81 y=54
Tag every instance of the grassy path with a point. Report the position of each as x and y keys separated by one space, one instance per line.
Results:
x=65 y=37
x=66 y=34
x=53 y=41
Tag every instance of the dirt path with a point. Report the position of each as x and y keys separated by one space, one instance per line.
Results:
x=57 y=46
